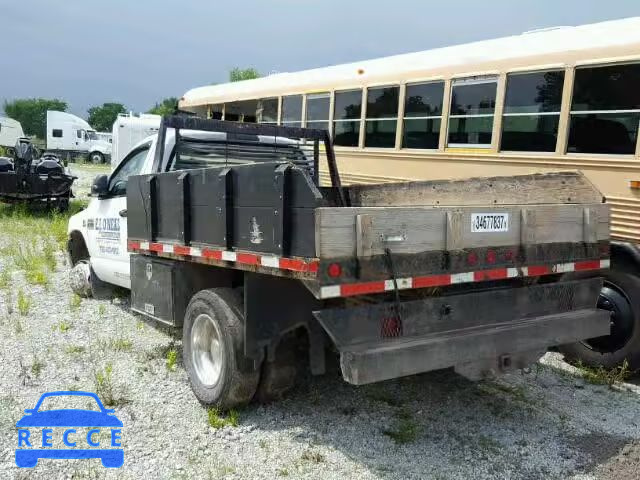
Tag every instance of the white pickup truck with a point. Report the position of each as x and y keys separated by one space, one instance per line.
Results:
x=235 y=239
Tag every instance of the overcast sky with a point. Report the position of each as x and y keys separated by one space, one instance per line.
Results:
x=140 y=51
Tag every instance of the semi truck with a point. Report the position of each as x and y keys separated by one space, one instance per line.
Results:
x=225 y=230
x=10 y=133
x=69 y=136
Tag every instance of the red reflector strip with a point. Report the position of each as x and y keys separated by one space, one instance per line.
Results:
x=431 y=281
x=588 y=265
x=214 y=254
x=181 y=250
x=537 y=270
x=156 y=247
x=248 y=258
x=245 y=258
x=350 y=289
x=495 y=274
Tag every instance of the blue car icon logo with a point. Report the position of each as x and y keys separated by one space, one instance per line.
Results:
x=82 y=431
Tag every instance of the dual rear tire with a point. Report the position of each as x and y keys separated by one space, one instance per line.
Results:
x=213 y=354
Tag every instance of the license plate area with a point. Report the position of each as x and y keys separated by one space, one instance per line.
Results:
x=489 y=222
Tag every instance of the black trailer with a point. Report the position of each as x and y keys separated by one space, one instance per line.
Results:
x=262 y=265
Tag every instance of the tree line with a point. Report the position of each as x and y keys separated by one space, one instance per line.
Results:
x=32 y=112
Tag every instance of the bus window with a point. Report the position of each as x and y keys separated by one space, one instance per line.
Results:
x=215 y=112
x=532 y=111
x=605 y=110
x=267 y=111
x=292 y=111
x=473 y=102
x=318 y=110
x=422 y=115
x=382 y=117
x=244 y=111
x=346 y=118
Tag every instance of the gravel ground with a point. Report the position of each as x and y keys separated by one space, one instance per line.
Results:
x=547 y=424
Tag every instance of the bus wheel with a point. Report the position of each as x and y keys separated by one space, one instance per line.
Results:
x=96 y=158
x=620 y=295
x=213 y=349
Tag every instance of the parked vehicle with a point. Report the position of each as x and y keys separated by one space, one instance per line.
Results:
x=130 y=129
x=10 y=133
x=71 y=136
x=29 y=177
x=233 y=239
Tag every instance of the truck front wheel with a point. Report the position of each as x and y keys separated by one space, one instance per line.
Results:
x=96 y=158
x=213 y=349
x=621 y=296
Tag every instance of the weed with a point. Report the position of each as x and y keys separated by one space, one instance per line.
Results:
x=103 y=380
x=121 y=345
x=140 y=325
x=63 y=326
x=216 y=420
x=37 y=277
x=102 y=309
x=18 y=326
x=75 y=301
x=36 y=368
x=405 y=431
x=378 y=394
x=172 y=358
x=24 y=303
x=283 y=472
x=5 y=278
x=603 y=376
x=312 y=456
x=75 y=349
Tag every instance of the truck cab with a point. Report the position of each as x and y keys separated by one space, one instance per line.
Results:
x=67 y=133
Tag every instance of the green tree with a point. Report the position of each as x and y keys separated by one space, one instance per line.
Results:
x=102 y=118
x=165 y=107
x=238 y=74
x=32 y=113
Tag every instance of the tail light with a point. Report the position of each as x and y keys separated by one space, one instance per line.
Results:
x=491 y=257
x=472 y=259
x=334 y=270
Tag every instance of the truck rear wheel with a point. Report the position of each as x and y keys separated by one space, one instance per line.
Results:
x=621 y=296
x=213 y=349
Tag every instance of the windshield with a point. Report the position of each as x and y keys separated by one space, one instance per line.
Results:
x=92 y=135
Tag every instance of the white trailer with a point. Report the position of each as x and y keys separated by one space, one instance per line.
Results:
x=10 y=132
x=73 y=136
x=129 y=130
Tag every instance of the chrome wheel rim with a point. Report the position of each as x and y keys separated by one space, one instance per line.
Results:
x=207 y=350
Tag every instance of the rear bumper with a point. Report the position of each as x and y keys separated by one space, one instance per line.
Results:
x=482 y=328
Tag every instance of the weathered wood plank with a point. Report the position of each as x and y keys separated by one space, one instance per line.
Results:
x=420 y=229
x=542 y=188
x=364 y=235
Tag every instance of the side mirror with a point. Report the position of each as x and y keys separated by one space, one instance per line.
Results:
x=100 y=186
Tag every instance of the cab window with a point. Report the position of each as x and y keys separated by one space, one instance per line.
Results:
x=131 y=165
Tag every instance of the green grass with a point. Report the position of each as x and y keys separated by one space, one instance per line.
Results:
x=75 y=301
x=603 y=376
x=105 y=388
x=62 y=326
x=121 y=345
x=75 y=349
x=5 y=278
x=405 y=431
x=102 y=309
x=36 y=368
x=217 y=420
x=172 y=359
x=24 y=303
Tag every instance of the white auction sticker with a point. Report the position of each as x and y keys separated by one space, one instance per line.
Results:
x=489 y=222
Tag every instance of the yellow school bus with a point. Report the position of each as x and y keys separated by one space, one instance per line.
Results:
x=565 y=98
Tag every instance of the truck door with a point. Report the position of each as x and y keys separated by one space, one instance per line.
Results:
x=107 y=229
